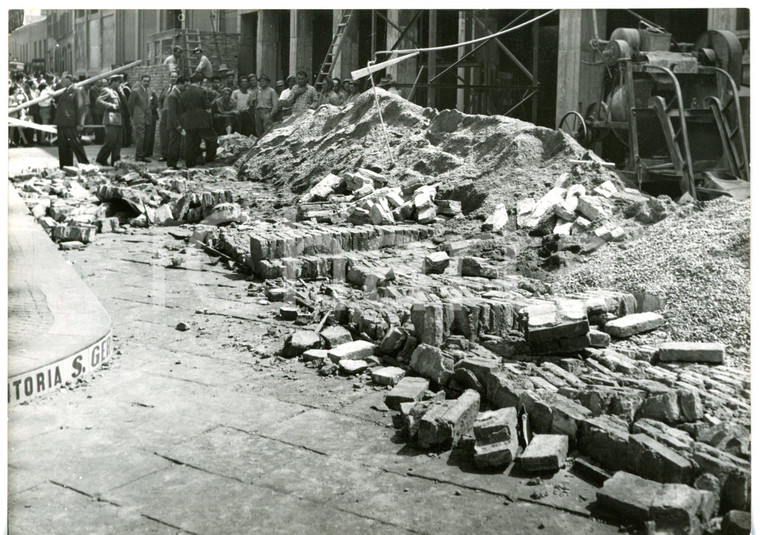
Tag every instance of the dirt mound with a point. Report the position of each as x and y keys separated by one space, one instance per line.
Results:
x=698 y=264
x=480 y=160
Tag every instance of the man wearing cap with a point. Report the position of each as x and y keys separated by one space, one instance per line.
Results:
x=266 y=105
x=110 y=101
x=140 y=112
x=303 y=94
x=197 y=123
x=173 y=59
x=224 y=113
x=69 y=118
x=204 y=65
x=163 y=104
x=174 y=112
x=387 y=83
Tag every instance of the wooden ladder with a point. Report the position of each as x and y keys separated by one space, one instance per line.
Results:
x=335 y=46
x=192 y=40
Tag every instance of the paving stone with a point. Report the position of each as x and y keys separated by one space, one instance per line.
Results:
x=393 y=341
x=408 y=389
x=736 y=523
x=504 y=391
x=591 y=207
x=675 y=509
x=631 y=324
x=436 y=263
x=315 y=355
x=444 y=424
x=500 y=425
x=430 y=362
x=353 y=366
x=471 y=266
x=545 y=452
x=655 y=461
x=690 y=404
x=712 y=353
x=605 y=440
x=598 y=338
x=428 y=323
x=335 y=335
x=300 y=341
x=355 y=350
x=289 y=313
x=662 y=406
x=544 y=207
x=389 y=375
x=630 y=497
x=481 y=367
x=495 y=455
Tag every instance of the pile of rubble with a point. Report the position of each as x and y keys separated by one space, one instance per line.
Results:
x=75 y=204
x=480 y=161
x=669 y=418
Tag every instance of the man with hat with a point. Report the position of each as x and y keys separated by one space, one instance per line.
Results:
x=69 y=118
x=173 y=59
x=197 y=123
x=387 y=83
x=110 y=101
x=266 y=105
x=204 y=65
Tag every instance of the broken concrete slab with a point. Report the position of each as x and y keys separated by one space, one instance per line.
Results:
x=655 y=461
x=496 y=455
x=707 y=352
x=500 y=425
x=631 y=324
x=545 y=452
x=736 y=523
x=675 y=509
x=408 y=389
x=472 y=266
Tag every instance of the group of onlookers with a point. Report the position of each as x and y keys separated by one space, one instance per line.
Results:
x=189 y=111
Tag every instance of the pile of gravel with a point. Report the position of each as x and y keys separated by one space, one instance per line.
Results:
x=697 y=262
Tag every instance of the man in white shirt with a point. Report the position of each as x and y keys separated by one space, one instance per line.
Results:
x=173 y=59
x=204 y=65
x=242 y=98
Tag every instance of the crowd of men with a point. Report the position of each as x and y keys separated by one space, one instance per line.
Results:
x=189 y=111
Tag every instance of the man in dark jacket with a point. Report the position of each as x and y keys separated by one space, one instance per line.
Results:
x=174 y=113
x=110 y=100
x=162 y=126
x=69 y=118
x=150 y=128
x=197 y=123
x=140 y=112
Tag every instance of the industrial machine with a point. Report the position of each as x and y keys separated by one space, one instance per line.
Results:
x=669 y=114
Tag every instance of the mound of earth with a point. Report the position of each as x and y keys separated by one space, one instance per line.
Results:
x=476 y=159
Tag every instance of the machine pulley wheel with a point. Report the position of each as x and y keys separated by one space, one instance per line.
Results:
x=573 y=124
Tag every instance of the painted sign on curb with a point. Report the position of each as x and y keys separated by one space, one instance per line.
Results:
x=52 y=376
